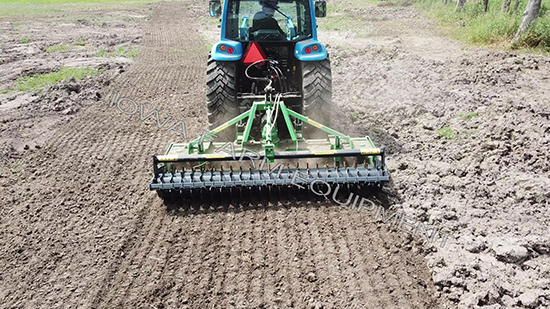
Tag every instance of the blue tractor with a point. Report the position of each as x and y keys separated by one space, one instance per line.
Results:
x=285 y=33
x=269 y=100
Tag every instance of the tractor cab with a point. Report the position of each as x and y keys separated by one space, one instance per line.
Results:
x=268 y=20
x=286 y=22
x=281 y=31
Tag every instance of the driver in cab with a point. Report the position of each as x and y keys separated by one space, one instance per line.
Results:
x=263 y=20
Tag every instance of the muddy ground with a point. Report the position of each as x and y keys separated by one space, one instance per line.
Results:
x=467 y=131
x=84 y=36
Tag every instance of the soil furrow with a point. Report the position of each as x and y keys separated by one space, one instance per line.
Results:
x=82 y=229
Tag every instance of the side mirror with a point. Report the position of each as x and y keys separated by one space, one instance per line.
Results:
x=320 y=9
x=215 y=8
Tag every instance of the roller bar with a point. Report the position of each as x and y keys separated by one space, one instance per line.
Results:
x=188 y=180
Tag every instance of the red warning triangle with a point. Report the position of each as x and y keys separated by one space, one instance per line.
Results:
x=253 y=53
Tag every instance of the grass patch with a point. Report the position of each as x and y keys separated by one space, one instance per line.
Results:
x=354 y=117
x=24 y=40
x=494 y=28
x=73 y=7
x=336 y=22
x=4 y=91
x=447 y=132
x=101 y=53
x=538 y=36
x=39 y=81
x=343 y=22
x=353 y=4
x=10 y=167
x=468 y=116
x=15 y=170
x=80 y=43
x=56 y=48
x=343 y=17
x=119 y=52
x=71 y=1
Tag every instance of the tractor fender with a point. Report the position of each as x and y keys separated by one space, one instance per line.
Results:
x=224 y=55
x=313 y=55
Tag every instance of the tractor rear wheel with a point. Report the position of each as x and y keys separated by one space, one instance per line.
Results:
x=317 y=95
x=221 y=79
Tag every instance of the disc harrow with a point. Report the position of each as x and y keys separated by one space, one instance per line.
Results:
x=201 y=179
x=240 y=186
x=195 y=171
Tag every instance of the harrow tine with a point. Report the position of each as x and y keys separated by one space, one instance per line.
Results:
x=240 y=194
x=250 y=197
x=208 y=184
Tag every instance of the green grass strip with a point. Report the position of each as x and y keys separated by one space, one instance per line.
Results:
x=39 y=81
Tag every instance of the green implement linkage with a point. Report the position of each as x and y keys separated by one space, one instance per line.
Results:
x=172 y=178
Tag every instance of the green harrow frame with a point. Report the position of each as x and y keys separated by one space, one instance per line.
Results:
x=171 y=178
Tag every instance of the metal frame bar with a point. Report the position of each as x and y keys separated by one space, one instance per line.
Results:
x=277 y=155
x=196 y=151
x=287 y=113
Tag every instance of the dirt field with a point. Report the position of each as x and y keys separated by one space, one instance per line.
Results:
x=54 y=37
x=468 y=132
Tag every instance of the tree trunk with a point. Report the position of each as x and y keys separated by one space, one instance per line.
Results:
x=460 y=4
x=445 y=1
x=486 y=5
x=505 y=6
x=529 y=16
x=516 y=6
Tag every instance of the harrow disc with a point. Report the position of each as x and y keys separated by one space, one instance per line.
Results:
x=261 y=186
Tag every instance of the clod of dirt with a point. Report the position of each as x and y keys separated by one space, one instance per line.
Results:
x=70 y=86
x=510 y=253
x=70 y=111
x=402 y=166
x=529 y=299
x=311 y=277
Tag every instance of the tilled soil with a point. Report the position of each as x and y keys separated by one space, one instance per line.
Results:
x=468 y=137
x=70 y=37
x=468 y=131
x=79 y=227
